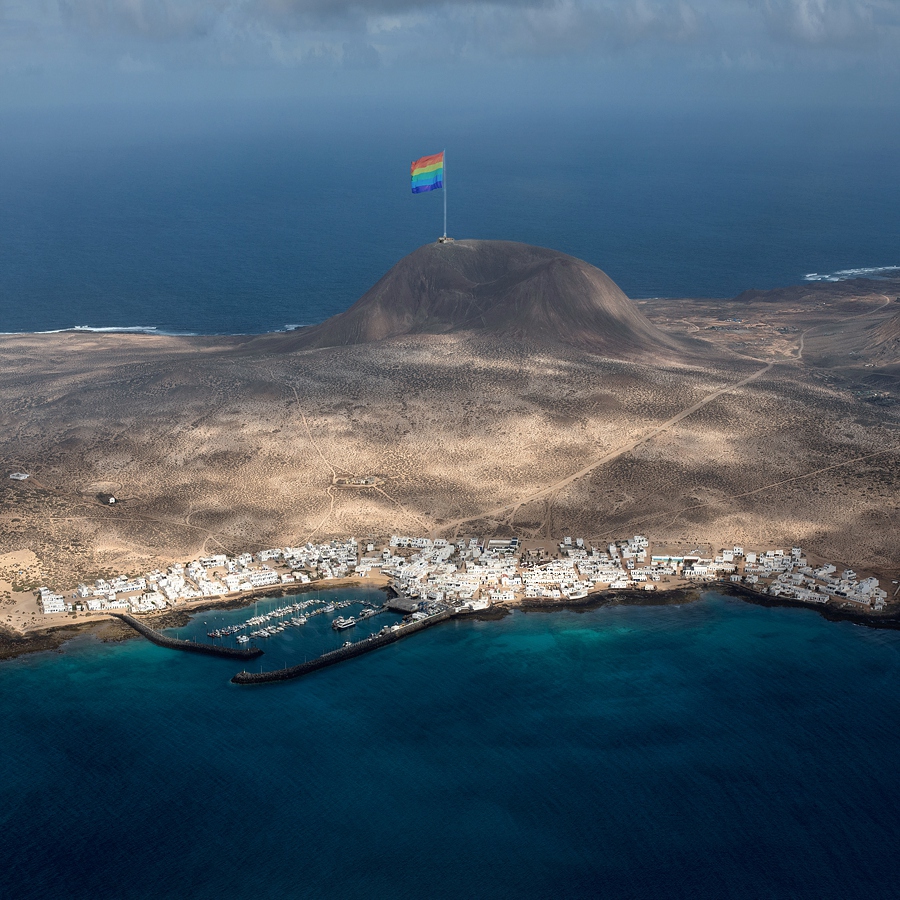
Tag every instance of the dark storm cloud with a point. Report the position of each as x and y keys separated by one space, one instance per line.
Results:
x=363 y=33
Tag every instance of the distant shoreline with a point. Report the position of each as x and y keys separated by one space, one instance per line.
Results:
x=875 y=274
x=813 y=280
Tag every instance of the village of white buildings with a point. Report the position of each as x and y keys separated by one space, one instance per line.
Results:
x=475 y=574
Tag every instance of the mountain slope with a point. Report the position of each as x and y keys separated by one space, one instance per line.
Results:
x=510 y=290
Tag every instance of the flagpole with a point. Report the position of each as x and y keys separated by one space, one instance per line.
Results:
x=445 y=193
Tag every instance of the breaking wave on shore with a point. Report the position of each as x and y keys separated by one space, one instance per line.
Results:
x=874 y=272
x=109 y=329
x=148 y=329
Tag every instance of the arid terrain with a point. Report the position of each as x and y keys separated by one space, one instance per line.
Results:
x=777 y=422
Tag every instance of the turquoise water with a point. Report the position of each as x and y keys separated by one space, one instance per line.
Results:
x=716 y=749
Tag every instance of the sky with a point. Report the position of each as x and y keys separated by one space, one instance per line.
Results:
x=421 y=53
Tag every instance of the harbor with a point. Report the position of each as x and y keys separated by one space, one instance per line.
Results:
x=304 y=633
x=292 y=629
x=269 y=624
x=293 y=624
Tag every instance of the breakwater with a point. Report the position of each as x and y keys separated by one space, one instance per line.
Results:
x=191 y=646
x=342 y=653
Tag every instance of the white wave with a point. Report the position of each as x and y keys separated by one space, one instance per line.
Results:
x=846 y=274
x=115 y=329
x=297 y=327
x=108 y=329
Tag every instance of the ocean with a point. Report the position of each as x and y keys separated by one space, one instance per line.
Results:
x=249 y=221
x=714 y=749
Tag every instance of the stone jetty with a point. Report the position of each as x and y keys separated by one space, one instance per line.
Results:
x=342 y=653
x=191 y=646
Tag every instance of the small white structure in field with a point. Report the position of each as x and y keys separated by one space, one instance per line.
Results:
x=19 y=476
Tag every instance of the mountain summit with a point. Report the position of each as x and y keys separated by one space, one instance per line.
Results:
x=510 y=290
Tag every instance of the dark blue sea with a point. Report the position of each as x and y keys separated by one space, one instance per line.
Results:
x=716 y=749
x=711 y=750
x=246 y=220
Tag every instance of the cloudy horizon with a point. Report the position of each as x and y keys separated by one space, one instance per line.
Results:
x=62 y=48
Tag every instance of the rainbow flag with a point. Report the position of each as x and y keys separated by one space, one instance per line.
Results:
x=427 y=173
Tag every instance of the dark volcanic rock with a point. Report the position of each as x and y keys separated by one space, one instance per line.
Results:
x=502 y=288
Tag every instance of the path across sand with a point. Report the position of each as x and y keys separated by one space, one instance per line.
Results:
x=603 y=460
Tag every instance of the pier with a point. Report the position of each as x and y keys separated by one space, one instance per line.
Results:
x=191 y=646
x=342 y=653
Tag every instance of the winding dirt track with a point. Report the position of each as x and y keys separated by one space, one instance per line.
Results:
x=511 y=508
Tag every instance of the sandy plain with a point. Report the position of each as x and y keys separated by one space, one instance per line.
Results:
x=789 y=433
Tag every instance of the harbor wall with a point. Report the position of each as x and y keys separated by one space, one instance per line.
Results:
x=357 y=648
x=191 y=646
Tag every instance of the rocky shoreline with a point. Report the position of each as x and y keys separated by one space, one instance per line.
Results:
x=888 y=620
x=618 y=597
x=109 y=630
x=13 y=645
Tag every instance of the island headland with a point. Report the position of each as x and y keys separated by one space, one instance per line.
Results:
x=480 y=388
